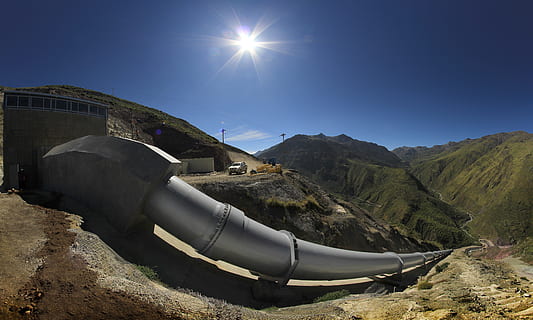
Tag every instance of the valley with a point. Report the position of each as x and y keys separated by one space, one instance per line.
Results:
x=490 y=177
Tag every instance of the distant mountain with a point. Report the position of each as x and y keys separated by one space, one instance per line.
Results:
x=491 y=177
x=373 y=178
x=318 y=155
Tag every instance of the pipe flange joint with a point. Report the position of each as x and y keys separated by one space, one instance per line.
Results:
x=293 y=242
x=221 y=223
x=400 y=260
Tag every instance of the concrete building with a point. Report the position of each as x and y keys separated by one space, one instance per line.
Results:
x=197 y=165
x=36 y=122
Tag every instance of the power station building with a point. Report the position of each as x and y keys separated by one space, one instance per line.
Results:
x=36 y=122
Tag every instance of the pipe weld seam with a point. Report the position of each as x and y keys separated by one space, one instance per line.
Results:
x=221 y=223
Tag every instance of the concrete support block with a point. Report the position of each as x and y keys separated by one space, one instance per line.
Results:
x=108 y=174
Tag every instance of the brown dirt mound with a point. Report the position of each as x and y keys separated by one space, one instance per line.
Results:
x=62 y=287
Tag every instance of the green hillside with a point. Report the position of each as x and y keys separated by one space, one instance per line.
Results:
x=372 y=178
x=491 y=177
x=399 y=198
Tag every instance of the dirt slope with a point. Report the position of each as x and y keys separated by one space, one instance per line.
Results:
x=40 y=278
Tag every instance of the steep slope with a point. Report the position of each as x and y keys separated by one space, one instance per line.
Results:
x=291 y=202
x=131 y=120
x=492 y=177
x=371 y=177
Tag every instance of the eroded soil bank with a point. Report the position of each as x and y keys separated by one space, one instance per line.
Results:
x=40 y=278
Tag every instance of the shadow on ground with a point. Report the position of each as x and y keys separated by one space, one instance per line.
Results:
x=176 y=269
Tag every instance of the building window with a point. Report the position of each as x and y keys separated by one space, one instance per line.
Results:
x=24 y=101
x=37 y=103
x=53 y=104
x=83 y=107
x=61 y=105
x=11 y=101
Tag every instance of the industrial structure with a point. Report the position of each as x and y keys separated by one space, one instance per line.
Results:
x=35 y=122
x=127 y=191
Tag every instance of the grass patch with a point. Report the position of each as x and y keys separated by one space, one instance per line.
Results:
x=148 y=272
x=308 y=203
x=269 y=309
x=441 y=267
x=424 y=285
x=332 y=296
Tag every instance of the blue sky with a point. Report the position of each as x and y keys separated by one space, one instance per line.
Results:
x=391 y=72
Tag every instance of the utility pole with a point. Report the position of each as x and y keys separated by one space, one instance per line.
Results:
x=223 y=132
x=283 y=136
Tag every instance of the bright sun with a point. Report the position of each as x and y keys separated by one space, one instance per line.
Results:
x=247 y=43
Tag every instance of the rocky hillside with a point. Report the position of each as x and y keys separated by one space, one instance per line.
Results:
x=491 y=177
x=291 y=202
x=372 y=178
x=131 y=120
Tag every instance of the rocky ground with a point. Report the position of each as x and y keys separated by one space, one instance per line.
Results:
x=52 y=269
x=469 y=288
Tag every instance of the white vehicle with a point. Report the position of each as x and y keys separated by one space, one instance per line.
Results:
x=238 y=168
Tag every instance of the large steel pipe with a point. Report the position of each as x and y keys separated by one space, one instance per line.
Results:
x=218 y=231
x=222 y=232
x=318 y=262
x=106 y=174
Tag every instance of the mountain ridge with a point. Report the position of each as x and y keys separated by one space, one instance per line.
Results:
x=371 y=177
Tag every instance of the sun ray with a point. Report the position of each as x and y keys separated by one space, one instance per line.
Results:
x=255 y=61
x=262 y=26
x=235 y=59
